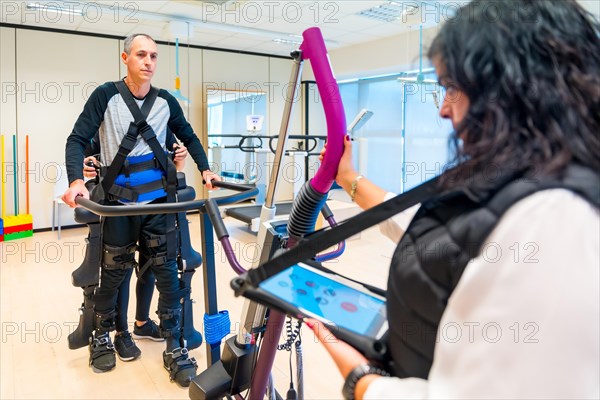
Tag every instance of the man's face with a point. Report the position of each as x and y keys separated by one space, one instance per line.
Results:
x=141 y=61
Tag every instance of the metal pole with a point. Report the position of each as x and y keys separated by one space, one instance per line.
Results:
x=403 y=137
x=268 y=350
x=283 y=130
x=213 y=351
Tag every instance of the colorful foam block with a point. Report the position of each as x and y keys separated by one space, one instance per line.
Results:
x=21 y=219
x=17 y=235
x=16 y=227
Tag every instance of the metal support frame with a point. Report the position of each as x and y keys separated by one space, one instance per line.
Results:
x=209 y=277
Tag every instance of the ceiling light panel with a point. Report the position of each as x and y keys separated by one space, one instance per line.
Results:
x=390 y=11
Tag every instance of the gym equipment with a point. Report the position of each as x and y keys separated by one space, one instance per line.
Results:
x=234 y=373
x=15 y=226
x=213 y=349
x=87 y=275
x=257 y=284
x=251 y=215
x=240 y=367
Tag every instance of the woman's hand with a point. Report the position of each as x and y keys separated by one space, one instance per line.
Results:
x=346 y=172
x=345 y=356
x=179 y=154
x=89 y=171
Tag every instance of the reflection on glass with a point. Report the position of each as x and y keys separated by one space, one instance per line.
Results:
x=396 y=106
x=227 y=119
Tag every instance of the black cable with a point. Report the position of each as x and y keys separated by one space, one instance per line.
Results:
x=292 y=335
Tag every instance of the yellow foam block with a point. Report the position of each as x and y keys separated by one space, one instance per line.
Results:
x=21 y=219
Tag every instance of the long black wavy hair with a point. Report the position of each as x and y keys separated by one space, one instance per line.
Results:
x=531 y=71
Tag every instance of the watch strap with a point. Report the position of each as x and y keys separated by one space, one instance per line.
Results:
x=356 y=374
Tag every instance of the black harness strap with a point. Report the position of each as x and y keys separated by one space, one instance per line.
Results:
x=130 y=139
x=128 y=193
x=325 y=238
x=140 y=126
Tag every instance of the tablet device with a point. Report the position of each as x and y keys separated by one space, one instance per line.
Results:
x=329 y=299
x=351 y=311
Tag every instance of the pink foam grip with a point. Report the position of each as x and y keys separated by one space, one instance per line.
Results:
x=313 y=49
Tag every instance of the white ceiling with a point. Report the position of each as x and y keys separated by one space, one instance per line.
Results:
x=245 y=25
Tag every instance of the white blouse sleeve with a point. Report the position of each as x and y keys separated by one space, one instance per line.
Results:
x=524 y=320
x=395 y=227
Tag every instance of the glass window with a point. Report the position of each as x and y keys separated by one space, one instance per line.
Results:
x=405 y=141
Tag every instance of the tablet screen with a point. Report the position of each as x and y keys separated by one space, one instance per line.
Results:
x=322 y=297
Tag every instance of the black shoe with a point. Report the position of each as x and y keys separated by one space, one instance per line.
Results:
x=126 y=347
x=181 y=367
x=147 y=331
x=102 y=353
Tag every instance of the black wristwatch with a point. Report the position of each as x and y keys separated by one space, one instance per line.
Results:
x=354 y=376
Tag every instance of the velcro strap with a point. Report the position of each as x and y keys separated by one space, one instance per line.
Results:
x=123 y=257
x=186 y=363
x=120 y=192
x=168 y=313
x=148 y=187
x=180 y=360
x=133 y=193
x=121 y=265
x=118 y=251
x=159 y=259
x=142 y=166
x=106 y=315
x=155 y=241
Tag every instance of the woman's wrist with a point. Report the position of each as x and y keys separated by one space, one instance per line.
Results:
x=347 y=179
x=363 y=384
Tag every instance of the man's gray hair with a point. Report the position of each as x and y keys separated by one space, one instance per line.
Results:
x=129 y=41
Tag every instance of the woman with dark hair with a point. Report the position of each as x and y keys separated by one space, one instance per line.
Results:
x=494 y=288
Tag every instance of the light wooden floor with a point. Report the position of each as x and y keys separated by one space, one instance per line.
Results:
x=39 y=309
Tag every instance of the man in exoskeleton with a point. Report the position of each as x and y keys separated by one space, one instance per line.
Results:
x=132 y=118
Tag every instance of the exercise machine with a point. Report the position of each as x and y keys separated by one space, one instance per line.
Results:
x=248 y=357
x=253 y=144
x=215 y=328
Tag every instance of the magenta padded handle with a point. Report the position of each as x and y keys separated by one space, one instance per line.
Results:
x=313 y=49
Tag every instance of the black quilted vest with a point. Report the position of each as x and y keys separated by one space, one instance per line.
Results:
x=445 y=234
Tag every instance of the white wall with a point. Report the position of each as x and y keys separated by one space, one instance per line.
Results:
x=55 y=73
x=8 y=110
x=378 y=57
